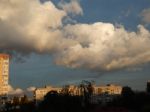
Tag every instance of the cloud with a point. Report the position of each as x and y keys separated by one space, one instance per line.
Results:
x=31 y=89
x=146 y=15
x=103 y=46
x=19 y=92
x=72 y=7
x=12 y=91
x=29 y=26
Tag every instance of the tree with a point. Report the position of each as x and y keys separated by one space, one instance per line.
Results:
x=86 y=90
x=24 y=99
x=54 y=102
x=128 y=97
x=127 y=92
x=16 y=100
x=65 y=90
x=148 y=87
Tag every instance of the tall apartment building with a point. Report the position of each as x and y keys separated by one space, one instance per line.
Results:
x=4 y=73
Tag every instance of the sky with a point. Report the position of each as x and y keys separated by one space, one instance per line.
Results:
x=62 y=42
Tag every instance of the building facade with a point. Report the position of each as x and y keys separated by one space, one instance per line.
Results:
x=4 y=74
x=109 y=89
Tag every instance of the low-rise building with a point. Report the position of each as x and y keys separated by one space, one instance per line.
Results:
x=39 y=93
x=109 y=89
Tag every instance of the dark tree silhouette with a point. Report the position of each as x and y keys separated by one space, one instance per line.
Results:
x=65 y=90
x=24 y=99
x=148 y=87
x=16 y=100
x=54 y=102
x=86 y=90
x=127 y=92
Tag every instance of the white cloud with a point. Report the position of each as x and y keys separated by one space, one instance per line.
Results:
x=28 y=26
x=72 y=7
x=17 y=91
x=146 y=15
x=103 y=46
x=31 y=89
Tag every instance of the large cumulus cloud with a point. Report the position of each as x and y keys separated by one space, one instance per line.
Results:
x=103 y=46
x=28 y=26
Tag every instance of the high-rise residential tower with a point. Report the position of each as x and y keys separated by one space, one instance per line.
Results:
x=4 y=73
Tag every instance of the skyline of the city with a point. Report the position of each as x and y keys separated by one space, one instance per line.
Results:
x=54 y=42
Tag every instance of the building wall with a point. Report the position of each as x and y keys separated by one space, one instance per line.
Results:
x=75 y=90
x=4 y=73
x=109 y=89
